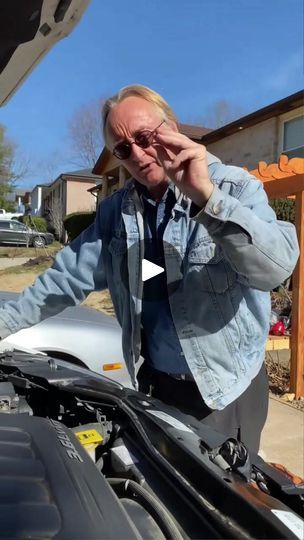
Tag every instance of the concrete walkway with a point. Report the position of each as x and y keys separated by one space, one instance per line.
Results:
x=6 y=262
x=283 y=436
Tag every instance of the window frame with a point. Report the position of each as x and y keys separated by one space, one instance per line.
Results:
x=3 y=226
x=17 y=226
x=284 y=118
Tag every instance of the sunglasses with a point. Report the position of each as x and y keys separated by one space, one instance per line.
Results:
x=143 y=139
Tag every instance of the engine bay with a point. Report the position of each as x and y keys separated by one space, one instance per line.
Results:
x=83 y=458
x=58 y=456
x=66 y=471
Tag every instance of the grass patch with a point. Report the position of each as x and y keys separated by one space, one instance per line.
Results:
x=11 y=252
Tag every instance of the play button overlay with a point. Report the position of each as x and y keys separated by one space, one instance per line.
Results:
x=156 y=284
x=150 y=270
x=161 y=276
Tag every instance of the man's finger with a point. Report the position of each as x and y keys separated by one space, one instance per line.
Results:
x=172 y=139
x=184 y=155
x=164 y=154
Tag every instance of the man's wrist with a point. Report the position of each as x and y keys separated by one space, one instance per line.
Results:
x=201 y=201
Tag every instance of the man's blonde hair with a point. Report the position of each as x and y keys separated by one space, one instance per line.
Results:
x=136 y=90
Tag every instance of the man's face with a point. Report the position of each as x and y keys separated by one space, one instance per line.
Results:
x=127 y=119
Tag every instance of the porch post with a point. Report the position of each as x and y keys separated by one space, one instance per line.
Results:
x=122 y=176
x=297 y=322
x=104 y=190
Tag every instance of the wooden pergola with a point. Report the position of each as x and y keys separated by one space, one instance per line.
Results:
x=285 y=179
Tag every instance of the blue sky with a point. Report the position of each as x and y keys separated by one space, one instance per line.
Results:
x=194 y=52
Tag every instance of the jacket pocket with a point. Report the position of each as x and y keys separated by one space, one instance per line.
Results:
x=204 y=251
x=209 y=269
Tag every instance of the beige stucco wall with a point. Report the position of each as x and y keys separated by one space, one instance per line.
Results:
x=249 y=146
x=262 y=142
x=78 y=199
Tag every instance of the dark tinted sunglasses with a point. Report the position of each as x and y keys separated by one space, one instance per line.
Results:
x=143 y=139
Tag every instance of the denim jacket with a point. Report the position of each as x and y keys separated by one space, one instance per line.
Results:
x=226 y=258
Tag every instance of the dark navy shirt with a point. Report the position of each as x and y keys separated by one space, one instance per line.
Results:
x=160 y=344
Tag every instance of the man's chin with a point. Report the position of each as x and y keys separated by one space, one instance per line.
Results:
x=152 y=179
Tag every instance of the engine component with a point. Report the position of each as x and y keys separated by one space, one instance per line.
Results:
x=49 y=482
x=91 y=436
x=141 y=504
x=121 y=459
x=124 y=463
x=10 y=402
x=8 y=398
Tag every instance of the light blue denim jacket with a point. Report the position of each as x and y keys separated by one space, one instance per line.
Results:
x=227 y=257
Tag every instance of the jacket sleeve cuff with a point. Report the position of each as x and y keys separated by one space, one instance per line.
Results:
x=4 y=331
x=217 y=210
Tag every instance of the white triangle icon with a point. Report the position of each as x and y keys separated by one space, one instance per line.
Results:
x=150 y=270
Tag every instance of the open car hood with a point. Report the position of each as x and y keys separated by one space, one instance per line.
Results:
x=28 y=30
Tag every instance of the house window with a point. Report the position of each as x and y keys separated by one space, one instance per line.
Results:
x=293 y=138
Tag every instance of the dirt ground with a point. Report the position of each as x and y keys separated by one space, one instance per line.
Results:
x=18 y=282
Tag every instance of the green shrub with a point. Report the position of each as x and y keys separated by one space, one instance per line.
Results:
x=35 y=222
x=284 y=209
x=77 y=222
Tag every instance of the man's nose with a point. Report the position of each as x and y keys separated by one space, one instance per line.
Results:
x=136 y=152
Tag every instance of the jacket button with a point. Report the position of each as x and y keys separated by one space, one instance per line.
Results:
x=217 y=208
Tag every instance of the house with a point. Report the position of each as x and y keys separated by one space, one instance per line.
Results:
x=38 y=194
x=21 y=198
x=68 y=193
x=260 y=136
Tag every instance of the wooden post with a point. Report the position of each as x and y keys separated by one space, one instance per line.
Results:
x=297 y=324
x=105 y=187
x=122 y=176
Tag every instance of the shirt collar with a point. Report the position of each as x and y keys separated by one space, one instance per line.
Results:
x=145 y=195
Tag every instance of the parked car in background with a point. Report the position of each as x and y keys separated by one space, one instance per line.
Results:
x=13 y=232
x=80 y=335
x=9 y=215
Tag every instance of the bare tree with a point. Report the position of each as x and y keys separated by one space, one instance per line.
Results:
x=55 y=214
x=13 y=168
x=219 y=114
x=48 y=168
x=85 y=134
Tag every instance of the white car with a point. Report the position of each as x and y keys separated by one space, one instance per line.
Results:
x=80 y=335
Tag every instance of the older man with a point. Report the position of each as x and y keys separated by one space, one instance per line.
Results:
x=201 y=323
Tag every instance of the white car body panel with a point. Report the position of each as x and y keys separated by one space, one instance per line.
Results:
x=84 y=334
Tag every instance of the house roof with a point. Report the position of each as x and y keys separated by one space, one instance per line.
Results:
x=40 y=185
x=22 y=191
x=194 y=132
x=82 y=173
x=275 y=109
x=95 y=189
